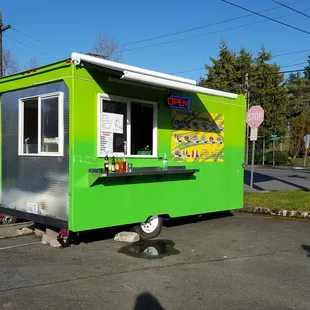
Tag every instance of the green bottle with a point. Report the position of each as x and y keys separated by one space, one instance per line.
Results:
x=165 y=162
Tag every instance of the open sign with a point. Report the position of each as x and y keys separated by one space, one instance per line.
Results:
x=177 y=102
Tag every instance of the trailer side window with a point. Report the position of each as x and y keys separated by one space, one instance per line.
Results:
x=41 y=125
x=127 y=127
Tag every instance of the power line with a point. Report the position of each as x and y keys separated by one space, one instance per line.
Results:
x=292 y=9
x=198 y=69
x=34 y=38
x=264 y=16
x=301 y=63
x=289 y=71
x=24 y=44
x=186 y=71
x=291 y=62
x=291 y=53
x=201 y=35
x=279 y=55
x=204 y=26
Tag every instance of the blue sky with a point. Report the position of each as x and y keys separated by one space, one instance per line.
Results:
x=72 y=26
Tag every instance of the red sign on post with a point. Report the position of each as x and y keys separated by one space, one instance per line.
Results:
x=255 y=116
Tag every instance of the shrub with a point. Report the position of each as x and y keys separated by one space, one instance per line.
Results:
x=281 y=158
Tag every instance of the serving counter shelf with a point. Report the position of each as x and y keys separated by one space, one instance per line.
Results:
x=95 y=173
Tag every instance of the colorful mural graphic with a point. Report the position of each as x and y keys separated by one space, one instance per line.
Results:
x=197 y=137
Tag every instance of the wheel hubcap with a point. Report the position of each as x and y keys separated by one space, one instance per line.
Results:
x=150 y=225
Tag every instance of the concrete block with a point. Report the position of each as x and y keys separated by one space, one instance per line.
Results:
x=45 y=239
x=38 y=232
x=55 y=244
x=51 y=232
x=24 y=231
x=50 y=238
x=126 y=236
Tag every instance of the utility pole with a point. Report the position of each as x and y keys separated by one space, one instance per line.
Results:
x=247 y=98
x=2 y=29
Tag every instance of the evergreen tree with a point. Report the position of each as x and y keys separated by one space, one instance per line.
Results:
x=221 y=74
x=298 y=87
x=267 y=90
x=265 y=84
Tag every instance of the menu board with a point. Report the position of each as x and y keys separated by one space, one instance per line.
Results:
x=110 y=123
x=197 y=137
x=106 y=143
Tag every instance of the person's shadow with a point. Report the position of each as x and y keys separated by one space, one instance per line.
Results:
x=147 y=301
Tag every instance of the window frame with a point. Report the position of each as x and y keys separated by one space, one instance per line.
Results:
x=128 y=102
x=60 y=96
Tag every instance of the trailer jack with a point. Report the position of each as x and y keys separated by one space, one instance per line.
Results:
x=64 y=238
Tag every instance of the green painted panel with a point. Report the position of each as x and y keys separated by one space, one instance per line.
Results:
x=218 y=185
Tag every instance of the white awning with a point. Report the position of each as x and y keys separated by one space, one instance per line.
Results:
x=150 y=77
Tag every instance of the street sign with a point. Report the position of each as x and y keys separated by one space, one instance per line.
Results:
x=307 y=140
x=253 y=134
x=255 y=116
x=274 y=138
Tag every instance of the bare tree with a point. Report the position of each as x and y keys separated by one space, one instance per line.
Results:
x=106 y=47
x=33 y=63
x=10 y=65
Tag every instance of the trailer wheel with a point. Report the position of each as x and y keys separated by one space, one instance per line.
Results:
x=149 y=229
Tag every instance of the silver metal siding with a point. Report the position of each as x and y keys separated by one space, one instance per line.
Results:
x=33 y=179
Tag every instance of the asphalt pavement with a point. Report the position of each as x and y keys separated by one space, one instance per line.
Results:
x=277 y=179
x=229 y=262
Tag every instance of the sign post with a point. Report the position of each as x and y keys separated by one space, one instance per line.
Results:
x=274 y=138
x=254 y=118
x=307 y=142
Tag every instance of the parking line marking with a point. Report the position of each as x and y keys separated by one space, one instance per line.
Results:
x=19 y=245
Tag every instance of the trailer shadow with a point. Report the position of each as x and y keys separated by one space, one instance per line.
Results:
x=261 y=178
x=109 y=233
x=306 y=248
x=196 y=218
x=100 y=234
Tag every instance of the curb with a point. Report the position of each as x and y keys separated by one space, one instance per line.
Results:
x=279 y=167
x=276 y=212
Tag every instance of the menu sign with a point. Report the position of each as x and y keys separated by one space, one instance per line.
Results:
x=197 y=137
x=110 y=124
x=106 y=142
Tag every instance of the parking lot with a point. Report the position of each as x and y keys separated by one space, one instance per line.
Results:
x=228 y=262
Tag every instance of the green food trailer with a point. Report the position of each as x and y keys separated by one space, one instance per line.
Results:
x=89 y=143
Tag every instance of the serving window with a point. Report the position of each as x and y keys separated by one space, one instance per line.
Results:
x=126 y=127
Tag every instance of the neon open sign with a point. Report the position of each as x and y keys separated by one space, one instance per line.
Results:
x=177 y=102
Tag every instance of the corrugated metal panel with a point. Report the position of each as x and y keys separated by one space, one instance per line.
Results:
x=33 y=179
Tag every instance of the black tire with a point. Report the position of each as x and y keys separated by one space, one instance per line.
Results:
x=8 y=219
x=153 y=233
